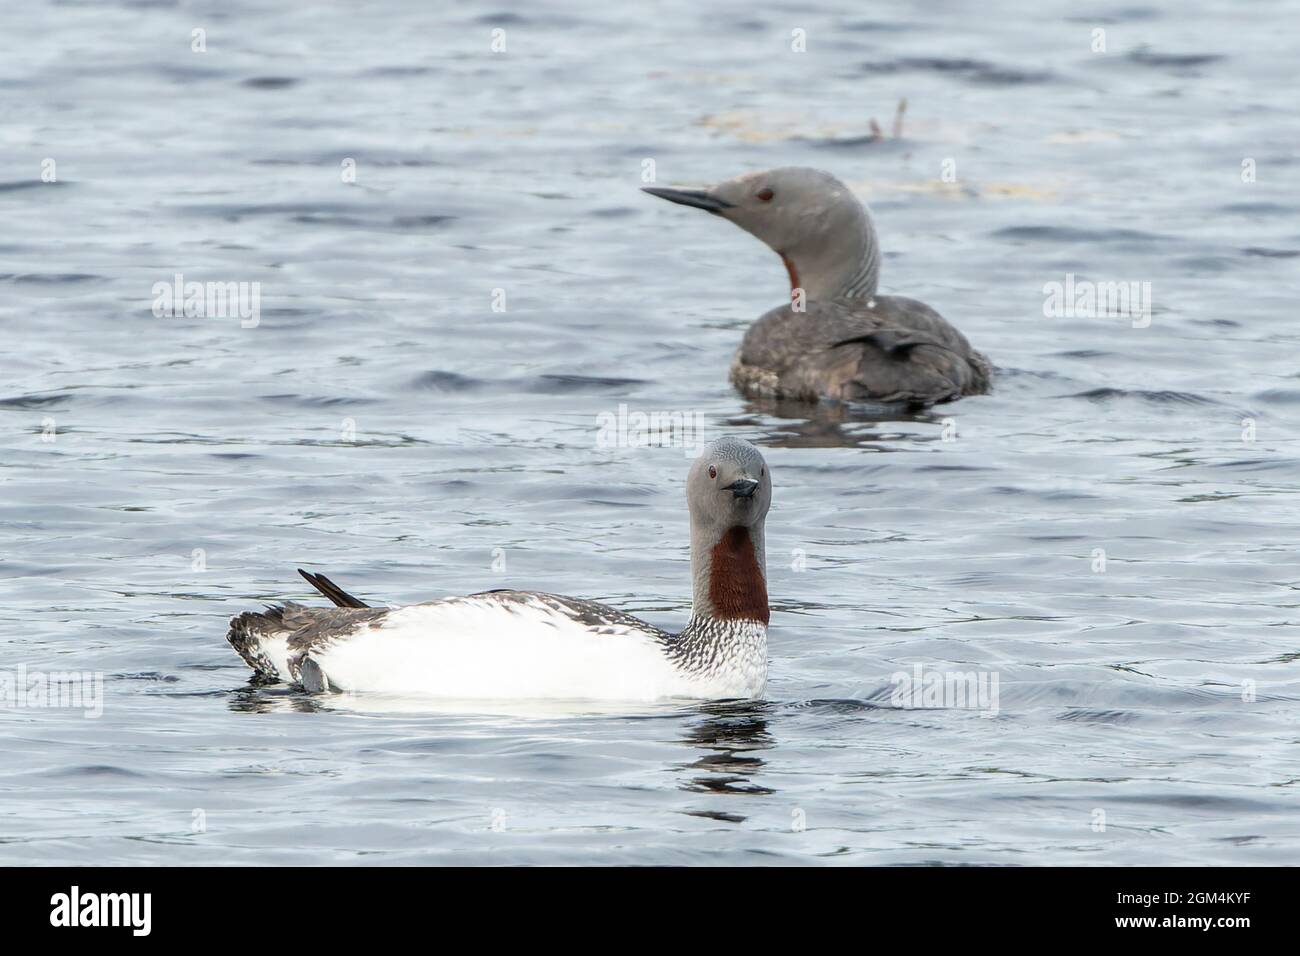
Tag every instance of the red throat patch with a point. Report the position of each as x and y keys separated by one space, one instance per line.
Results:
x=736 y=586
x=791 y=270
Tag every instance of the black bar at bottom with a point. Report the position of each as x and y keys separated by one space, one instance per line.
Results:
x=329 y=906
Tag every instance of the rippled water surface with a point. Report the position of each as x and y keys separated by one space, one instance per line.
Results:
x=383 y=424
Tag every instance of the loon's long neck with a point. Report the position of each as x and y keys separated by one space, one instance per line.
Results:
x=842 y=260
x=730 y=576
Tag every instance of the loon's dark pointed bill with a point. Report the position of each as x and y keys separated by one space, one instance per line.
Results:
x=697 y=198
x=743 y=487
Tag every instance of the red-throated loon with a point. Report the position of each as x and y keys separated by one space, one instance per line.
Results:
x=526 y=644
x=837 y=338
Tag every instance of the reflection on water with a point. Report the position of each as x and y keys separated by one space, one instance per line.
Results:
x=272 y=697
x=732 y=734
x=267 y=697
x=787 y=424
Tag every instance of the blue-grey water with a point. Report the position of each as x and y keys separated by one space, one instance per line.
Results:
x=1111 y=534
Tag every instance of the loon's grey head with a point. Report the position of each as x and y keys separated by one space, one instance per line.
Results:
x=729 y=486
x=811 y=220
x=729 y=491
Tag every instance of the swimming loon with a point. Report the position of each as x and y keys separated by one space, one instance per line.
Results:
x=839 y=339
x=527 y=644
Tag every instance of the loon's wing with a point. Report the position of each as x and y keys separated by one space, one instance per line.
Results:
x=887 y=349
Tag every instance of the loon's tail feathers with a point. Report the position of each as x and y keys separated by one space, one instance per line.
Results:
x=325 y=586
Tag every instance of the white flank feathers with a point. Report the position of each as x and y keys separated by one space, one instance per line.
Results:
x=480 y=647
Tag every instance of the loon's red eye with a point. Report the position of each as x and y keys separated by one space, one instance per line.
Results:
x=713 y=472
x=765 y=195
